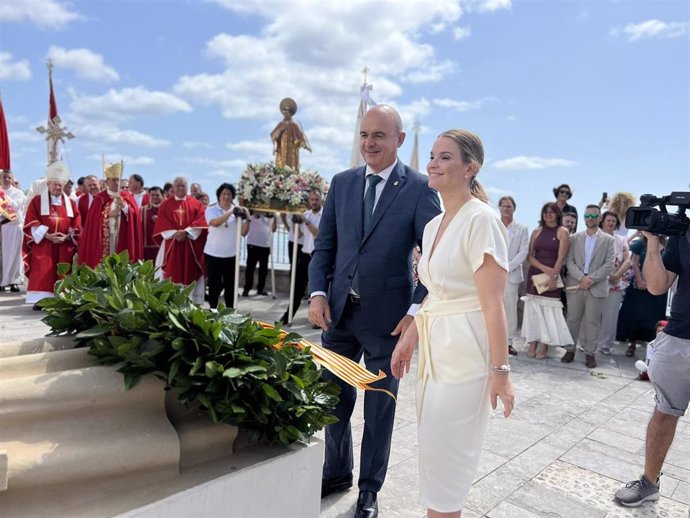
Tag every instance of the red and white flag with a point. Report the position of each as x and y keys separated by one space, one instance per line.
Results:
x=4 y=141
x=52 y=110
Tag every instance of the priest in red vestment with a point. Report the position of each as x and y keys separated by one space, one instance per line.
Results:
x=113 y=224
x=149 y=215
x=182 y=225
x=51 y=230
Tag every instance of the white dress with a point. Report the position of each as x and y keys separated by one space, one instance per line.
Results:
x=452 y=380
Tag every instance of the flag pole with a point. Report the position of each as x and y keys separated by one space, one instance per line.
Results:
x=273 y=270
x=236 y=284
x=293 y=272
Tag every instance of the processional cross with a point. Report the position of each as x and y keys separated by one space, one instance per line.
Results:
x=53 y=131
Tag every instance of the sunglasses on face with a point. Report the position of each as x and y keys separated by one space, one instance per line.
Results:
x=591 y=216
x=563 y=192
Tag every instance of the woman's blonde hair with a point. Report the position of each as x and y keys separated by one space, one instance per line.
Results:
x=620 y=203
x=472 y=151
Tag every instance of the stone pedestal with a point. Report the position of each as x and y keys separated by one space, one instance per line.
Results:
x=75 y=442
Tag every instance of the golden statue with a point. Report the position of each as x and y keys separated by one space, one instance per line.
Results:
x=288 y=137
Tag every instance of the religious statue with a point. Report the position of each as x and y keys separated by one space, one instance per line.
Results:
x=288 y=137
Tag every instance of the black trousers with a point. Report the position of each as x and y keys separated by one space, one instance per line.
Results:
x=290 y=248
x=353 y=337
x=221 y=276
x=256 y=254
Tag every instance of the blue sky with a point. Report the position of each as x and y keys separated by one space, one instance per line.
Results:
x=595 y=94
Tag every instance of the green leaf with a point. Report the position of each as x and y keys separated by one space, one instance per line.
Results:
x=131 y=380
x=232 y=372
x=271 y=392
x=94 y=331
x=213 y=368
x=175 y=321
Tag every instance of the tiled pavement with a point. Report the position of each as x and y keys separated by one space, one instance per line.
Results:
x=574 y=437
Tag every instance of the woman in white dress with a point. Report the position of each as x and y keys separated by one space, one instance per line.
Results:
x=461 y=327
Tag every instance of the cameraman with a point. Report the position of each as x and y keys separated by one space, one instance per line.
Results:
x=669 y=370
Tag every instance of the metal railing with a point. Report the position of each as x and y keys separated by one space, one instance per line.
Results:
x=280 y=249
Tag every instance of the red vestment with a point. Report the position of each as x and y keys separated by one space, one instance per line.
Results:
x=95 y=240
x=83 y=204
x=183 y=261
x=149 y=215
x=41 y=259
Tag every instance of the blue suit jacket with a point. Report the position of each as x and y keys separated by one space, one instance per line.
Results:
x=383 y=256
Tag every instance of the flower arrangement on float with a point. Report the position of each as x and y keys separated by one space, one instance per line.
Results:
x=266 y=186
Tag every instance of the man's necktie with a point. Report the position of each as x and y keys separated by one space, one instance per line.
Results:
x=370 y=200
x=367 y=213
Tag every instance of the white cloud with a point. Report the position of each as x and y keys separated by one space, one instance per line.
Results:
x=462 y=106
x=218 y=164
x=126 y=103
x=297 y=52
x=50 y=14
x=127 y=159
x=84 y=62
x=651 y=29
x=413 y=111
x=520 y=163
x=487 y=6
x=430 y=74
x=113 y=135
x=461 y=33
x=13 y=71
x=255 y=147
x=314 y=52
x=330 y=135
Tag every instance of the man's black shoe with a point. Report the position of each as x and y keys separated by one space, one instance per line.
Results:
x=14 y=288
x=263 y=293
x=335 y=485
x=245 y=293
x=366 y=505
x=36 y=307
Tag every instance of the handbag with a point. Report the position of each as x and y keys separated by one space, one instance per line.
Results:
x=541 y=282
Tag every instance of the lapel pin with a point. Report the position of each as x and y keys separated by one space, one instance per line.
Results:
x=396 y=182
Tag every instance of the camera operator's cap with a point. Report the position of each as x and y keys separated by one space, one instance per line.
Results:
x=113 y=171
x=57 y=172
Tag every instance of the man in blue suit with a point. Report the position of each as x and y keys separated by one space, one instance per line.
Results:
x=362 y=293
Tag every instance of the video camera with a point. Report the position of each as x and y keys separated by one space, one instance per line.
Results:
x=660 y=222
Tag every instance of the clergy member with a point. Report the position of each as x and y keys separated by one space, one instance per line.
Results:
x=182 y=225
x=136 y=187
x=113 y=223
x=11 y=234
x=91 y=189
x=149 y=215
x=51 y=231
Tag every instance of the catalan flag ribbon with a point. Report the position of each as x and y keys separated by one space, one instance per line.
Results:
x=344 y=368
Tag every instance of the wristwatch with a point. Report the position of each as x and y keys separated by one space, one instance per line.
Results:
x=503 y=369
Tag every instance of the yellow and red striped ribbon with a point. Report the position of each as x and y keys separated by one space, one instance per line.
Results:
x=344 y=368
